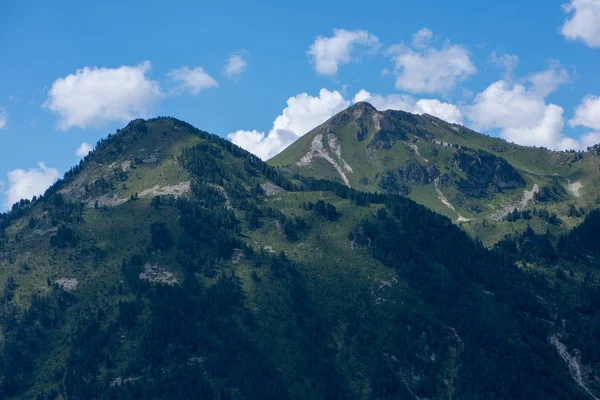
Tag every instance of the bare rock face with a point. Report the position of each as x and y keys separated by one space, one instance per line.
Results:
x=417 y=174
x=271 y=189
x=67 y=284
x=156 y=274
x=412 y=173
x=486 y=173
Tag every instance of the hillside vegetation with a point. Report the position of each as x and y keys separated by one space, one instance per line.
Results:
x=475 y=180
x=171 y=264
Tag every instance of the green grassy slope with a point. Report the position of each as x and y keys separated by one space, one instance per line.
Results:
x=370 y=146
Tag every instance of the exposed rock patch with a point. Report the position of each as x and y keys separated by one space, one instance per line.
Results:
x=44 y=232
x=223 y=193
x=268 y=249
x=174 y=190
x=318 y=150
x=271 y=189
x=120 y=381
x=155 y=274
x=106 y=200
x=238 y=255
x=112 y=200
x=521 y=205
x=67 y=284
x=573 y=363
x=445 y=201
x=575 y=188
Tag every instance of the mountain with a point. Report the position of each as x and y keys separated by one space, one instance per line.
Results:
x=172 y=264
x=476 y=180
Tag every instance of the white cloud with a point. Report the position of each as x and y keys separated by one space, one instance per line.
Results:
x=582 y=22
x=194 y=80
x=522 y=114
x=587 y=113
x=390 y=102
x=92 y=96
x=429 y=70
x=546 y=82
x=83 y=149
x=303 y=113
x=508 y=62
x=3 y=118
x=24 y=184
x=236 y=64
x=446 y=111
x=422 y=37
x=328 y=53
x=590 y=139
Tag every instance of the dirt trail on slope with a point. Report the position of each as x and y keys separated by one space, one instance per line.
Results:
x=573 y=364
x=444 y=200
x=416 y=150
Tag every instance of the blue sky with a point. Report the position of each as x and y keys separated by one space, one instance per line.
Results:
x=71 y=72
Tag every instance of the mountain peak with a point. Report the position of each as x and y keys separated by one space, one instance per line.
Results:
x=455 y=171
x=362 y=105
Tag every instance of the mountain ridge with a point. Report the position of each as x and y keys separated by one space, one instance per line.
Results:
x=453 y=170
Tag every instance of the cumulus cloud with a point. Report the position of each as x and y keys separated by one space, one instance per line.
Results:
x=422 y=37
x=303 y=113
x=429 y=70
x=446 y=111
x=84 y=149
x=24 y=184
x=521 y=113
x=236 y=64
x=390 y=102
x=3 y=118
x=508 y=62
x=590 y=139
x=582 y=22
x=93 y=97
x=546 y=82
x=587 y=113
x=328 y=53
x=193 y=80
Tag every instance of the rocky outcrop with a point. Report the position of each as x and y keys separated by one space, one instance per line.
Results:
x=412 y=173
x=417 y=174
x=485 y=173
x=391 y=184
